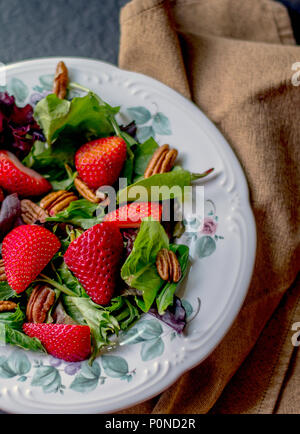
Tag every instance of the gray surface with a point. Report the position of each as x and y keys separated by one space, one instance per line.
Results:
x=39 y=28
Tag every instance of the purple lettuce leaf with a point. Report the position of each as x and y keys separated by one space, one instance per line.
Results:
x=130 y=129
x=9 y=213
x=174 y=317
x=18 y=129
x=129 y=236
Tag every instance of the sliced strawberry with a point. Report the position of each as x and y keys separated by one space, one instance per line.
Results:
x=94 y=258
x=26 y=251
x=100 y=162
x=71 y=343
x=17 y=178
x=131 y=215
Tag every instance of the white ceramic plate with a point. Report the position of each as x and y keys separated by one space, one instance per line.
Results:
x=222 y=255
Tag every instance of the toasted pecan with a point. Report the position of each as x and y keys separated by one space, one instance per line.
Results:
x=155 y=160
x=86 y=192
x=163 y=264
x=7 y=305
x=57 y=201
x=48 y=200
x=62 y=203
x=40 y=301
x=2 y=271
x=169 y=160
x=175 y=266
x=61 y=80
x=158 y=165
x=162 y=161
x=168 y=266
x=31 y=212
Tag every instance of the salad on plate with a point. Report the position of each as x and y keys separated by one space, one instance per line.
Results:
x=88 y=224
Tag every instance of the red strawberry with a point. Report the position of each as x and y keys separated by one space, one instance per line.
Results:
x=1 y=195
x=100 y=162
x=26 y=251
x=71 y=343
x=16 y=178
x=131 y=216
x=94 y=258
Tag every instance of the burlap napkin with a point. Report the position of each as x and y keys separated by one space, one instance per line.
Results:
x=234 y=59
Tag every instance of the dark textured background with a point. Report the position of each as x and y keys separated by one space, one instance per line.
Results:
x=37 y=28
x=88 y=28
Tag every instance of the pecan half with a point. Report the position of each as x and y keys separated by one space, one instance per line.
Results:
x=86 y=192
x=7 y=306
x=168 y=162
x=31 y=212
x=2 y=271
x=40 y=301
x=162 y=161
x=57 y=201
x=61 y=80
x=168 y=266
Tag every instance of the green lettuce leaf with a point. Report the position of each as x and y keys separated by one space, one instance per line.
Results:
x=51 y=161
x=128 y=168
x=13 y=319
x=168 y=185
x=65 y=183
x=83 y=118
x=100 y=321
x=11 y=331
x=139 y=269
x=50 y=113
x=8 y=335
x=143 y=154
x=79 y=213
x=178 y=178
x=124 y=311
x=127 y=171
x=69 y=280
x=6 y=292
x=66 y=126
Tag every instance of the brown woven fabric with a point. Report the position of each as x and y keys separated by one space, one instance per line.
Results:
x=234 y=59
